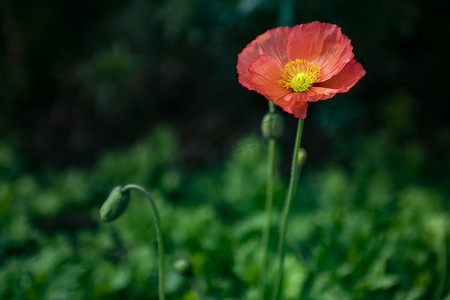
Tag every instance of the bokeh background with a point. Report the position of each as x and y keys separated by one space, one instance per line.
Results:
x=96 y=94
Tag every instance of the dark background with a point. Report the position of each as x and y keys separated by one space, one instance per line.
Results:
x=78 y=77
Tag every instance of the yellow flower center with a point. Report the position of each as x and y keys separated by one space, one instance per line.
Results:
x=299 y=75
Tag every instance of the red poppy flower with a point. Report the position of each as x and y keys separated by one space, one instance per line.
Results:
x=292 y=66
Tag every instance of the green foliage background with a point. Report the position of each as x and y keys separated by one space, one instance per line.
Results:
x=99 y=94
x=354 y=234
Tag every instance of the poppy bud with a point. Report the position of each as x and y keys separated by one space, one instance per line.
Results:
x=272 y=125
x=183 y=267
x=301 y=158
x=115 y=205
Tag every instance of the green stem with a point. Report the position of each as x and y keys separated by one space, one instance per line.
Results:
x=287 y=204
x=158 y=235
x=268 y=216
x=271 y=107
x=441 y=269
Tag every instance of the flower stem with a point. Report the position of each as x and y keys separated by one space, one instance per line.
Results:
x=287 y=204
x=441 y=269
x=156 y=221
x=268 y=216
x=271 y=107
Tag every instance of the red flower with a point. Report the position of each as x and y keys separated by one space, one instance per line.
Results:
x=292 y=66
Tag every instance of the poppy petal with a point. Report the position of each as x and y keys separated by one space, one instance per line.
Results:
x=340 y=83
x=305 y=96
x=265 y=74
x=299 y=110
x=321 y=43
x=320 y=93
x=345 y=79
x=273 y=42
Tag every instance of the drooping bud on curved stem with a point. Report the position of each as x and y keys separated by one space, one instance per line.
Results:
x=116 y=204
x=272 y=126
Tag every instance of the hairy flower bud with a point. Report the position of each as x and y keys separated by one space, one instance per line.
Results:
x=301 y=158
x=272 y=125
x=115 y=205
x=183 y=267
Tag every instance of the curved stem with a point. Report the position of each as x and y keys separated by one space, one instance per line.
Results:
x=158 y=235
x=268 y=217
x=287 y=204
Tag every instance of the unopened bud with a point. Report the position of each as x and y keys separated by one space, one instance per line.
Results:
x=115 y=205
x=301 y=158
x=183 y=267
x=272 y=126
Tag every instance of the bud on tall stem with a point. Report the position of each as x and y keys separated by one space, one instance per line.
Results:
x=272 y=126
